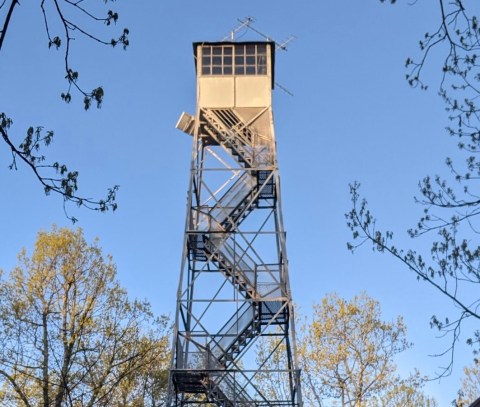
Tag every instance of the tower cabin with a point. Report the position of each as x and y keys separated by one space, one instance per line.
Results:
x=237 y=76
x=234 y=74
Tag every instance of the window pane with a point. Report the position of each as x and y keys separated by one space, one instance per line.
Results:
x=250 y=70
x=239 y=50
x=250 y=49
x=239 y=70
x=216 y=70
x=217 y=60
x=239 y=60
x=227 y=70
x=217 y=50
x=227 y=51
x=206 y=70
x=206 y=50
x=261 y=60
x=261 y=49
x=262 y=70
x=250 y=60
x=206 y=60
x=227 y=60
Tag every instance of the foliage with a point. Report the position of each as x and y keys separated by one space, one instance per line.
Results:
x=406 y=393
x=451 y=205
x=470 y=388
x=72 y=20
x=272 y=378
x=348 y=350
x=69 y=335
x=346 y=357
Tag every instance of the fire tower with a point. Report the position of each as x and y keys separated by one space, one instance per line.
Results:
x=234 y=337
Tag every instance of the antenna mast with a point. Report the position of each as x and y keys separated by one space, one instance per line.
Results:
x=279 y=46
x=248 y=22
x=242 y=24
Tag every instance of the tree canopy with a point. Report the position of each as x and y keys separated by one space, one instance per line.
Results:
x=69 y=334
x=470 y=386
x=346 y=354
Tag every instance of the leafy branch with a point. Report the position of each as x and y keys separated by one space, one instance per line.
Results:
x=453 y=266
x=63 y=182
x=75 y=18
x=69 y=28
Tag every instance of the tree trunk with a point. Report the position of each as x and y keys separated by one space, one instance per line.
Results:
x=45 y=350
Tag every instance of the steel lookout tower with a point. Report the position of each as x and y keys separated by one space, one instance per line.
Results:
x=234 y=336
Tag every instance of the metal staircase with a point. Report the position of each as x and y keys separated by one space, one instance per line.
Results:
x=235 y=335
x=228 y=130
x=236 y=265
x=231 y=208
x=223 y=389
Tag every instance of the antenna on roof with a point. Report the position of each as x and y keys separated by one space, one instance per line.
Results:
x=243 y=23
x=248 y=24
x=284 y=89
x=283 y=45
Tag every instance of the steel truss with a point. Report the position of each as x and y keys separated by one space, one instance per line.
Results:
x=234 y=297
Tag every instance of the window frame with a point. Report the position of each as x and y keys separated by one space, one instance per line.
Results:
x=244 y=59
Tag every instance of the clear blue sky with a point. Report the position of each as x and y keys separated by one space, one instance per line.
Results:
x=353 y=117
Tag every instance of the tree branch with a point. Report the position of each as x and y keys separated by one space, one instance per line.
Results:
x=66 y=185
x=3 y=33
x=16 y=387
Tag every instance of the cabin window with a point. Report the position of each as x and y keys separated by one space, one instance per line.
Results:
x=241 y=59
x=217 y=60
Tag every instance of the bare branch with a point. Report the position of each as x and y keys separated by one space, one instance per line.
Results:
x=6 y=23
